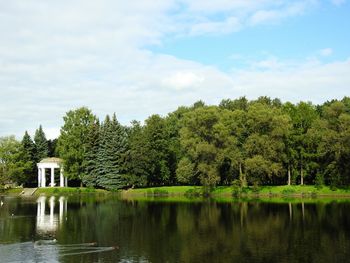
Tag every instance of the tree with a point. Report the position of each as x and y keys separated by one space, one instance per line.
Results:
x=112 y=154
x=90 y=164
x=267 y=128
x=12 y=163
x=137 y=160
x=72 y=142
x=303 y=115
x=199 y=140
x=41 y=144
x=185 y=171
x=29 y=155
x=157 y=147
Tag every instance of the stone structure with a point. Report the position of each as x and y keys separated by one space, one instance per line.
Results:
x=52 y=164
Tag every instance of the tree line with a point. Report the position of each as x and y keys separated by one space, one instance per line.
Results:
x=18 y=159
x=256 y=142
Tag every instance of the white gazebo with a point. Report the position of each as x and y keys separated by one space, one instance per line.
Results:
x=52 y=164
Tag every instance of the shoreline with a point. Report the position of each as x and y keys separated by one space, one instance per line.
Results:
x=299 y=192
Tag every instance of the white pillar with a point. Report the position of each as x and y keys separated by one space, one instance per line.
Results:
x=43 y=177
x=39 y=177
x=52 y=177
x=61 y=178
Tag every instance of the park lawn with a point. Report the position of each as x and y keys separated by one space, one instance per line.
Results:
x=69 y=190
x=171 y=190
x=283 y=190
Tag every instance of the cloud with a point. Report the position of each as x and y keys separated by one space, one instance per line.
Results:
x=273 y=15
x=326 y=52
x=304 y=80
x=59 y=55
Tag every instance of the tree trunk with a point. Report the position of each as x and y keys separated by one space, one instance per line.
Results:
x=288 y=174
x=301 y=175
x=242 y=176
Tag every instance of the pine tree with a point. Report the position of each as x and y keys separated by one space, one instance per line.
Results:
x=90 y=160
x=41 y=144
x=110 y=157
x=29 y=156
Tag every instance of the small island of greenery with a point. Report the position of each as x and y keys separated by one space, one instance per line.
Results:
x=238 y=147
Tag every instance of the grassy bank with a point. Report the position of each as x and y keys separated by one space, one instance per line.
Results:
x=191 y=191
x=57 y=191
x=68 y=190
x=294 y=191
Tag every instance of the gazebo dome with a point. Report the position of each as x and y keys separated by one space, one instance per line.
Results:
x=51 y=160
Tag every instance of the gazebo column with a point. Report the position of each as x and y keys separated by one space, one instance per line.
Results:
x=52 y=177
x=43 y=177
x=61 y=178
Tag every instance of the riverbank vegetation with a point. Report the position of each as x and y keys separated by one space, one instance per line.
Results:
x=261 y=142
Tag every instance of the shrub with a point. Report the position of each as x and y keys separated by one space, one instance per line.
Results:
x=236 y=188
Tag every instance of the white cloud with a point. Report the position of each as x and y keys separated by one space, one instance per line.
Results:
x=326 y=52
x=295 y=81
x=59 y=55
x=181 y=80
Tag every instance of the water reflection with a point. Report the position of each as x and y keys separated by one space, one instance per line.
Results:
x=169 y=231
x=47 y=223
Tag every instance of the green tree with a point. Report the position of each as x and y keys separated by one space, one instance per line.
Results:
x=112 y=155
x=12 y=163
x=72 y=142
x=157 y=145
x=90 y=164
x=137 y=162
x=29 y=155
x=199 y=140
x=268 y=127
x=41 y=144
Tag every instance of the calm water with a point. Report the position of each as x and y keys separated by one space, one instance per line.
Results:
x=106 y=229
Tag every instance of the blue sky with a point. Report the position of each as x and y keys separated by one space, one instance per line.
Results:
x=299 y=37
x=138 y=58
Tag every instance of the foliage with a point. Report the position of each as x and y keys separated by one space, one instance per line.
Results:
x=73 y=140
x=251 y=143
x=41 y=144
x=111 y=155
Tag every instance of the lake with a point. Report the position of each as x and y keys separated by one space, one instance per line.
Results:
x=91 y=228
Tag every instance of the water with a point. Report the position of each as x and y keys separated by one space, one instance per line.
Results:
x=107 y=229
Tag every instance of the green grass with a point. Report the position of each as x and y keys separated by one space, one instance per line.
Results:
x=68 y=190
x=162 y=190
x=283 y=190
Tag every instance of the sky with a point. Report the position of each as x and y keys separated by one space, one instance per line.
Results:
x=143 y=57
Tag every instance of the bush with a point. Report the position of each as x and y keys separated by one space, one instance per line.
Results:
x=333 y=187
x=319 y=181
x=236 y=188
